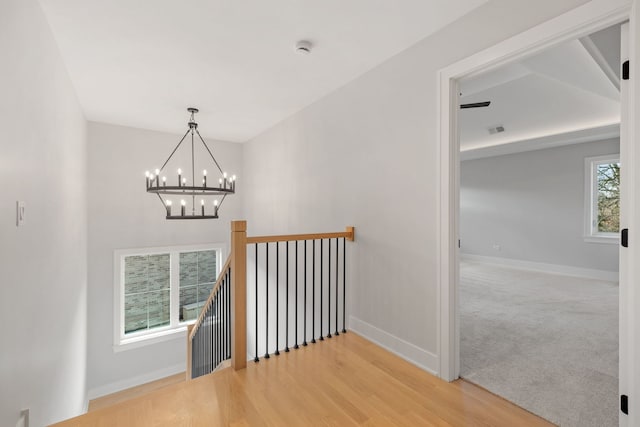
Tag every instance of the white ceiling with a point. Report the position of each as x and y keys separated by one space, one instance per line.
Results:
x=143 y=62
x=564 y=95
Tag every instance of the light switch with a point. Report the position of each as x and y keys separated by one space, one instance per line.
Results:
x=20 y=207
x=24 y=418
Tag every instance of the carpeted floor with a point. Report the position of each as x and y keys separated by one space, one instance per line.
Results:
x=545 y=342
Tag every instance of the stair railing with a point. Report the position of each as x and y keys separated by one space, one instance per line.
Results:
x=303 y=286
x=209 y=338
x=299 y=290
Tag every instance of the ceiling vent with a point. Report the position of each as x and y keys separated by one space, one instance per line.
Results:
x=496 y=129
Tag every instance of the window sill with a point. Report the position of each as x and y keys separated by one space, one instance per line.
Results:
x=152 y=338
x=608 y=240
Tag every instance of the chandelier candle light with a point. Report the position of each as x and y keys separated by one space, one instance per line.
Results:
x=226 y=184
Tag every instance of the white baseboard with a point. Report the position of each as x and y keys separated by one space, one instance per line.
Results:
x=114 y=387
x=410 y=352
x=566 y=270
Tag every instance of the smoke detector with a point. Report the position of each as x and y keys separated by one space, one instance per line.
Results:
x=496 y=129
x=304 y=47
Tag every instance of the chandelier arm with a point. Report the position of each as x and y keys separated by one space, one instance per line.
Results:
x=161 y=200
x=211 y=154
x=222 y=200
x=174 y=150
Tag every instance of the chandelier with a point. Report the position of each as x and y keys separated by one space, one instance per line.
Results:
x=187 y=191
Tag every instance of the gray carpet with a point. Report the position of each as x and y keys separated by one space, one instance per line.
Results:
x=545 y=342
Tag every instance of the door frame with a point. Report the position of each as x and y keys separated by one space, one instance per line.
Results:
x=579 y=22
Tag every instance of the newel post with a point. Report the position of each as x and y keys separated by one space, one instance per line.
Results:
x=352 y=233
x=238 y=294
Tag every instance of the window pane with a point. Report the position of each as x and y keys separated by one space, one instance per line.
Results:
x=204 y=290
x=188 y=268
x=197 y=276
x=206 y=267
x=135 y=274
x=135 y=312
x=158 y=272
x=158 y=303
x=608 y=181
x=146 y=292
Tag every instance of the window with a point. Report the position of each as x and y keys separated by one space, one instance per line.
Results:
x=602 y=199
x=147 y=292
x=198 y=273
x=158 y=291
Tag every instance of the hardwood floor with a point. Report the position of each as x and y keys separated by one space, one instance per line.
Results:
x=130 y=393
x=343 y=381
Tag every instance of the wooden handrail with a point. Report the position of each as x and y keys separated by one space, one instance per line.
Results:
x=207 y=304
x=349 y=234
x=189 y=352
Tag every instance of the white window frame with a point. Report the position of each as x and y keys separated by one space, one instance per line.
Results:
x=591 y=233
x=175 y=329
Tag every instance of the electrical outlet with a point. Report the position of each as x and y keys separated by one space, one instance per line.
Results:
x=496 y=246
x=20 y=208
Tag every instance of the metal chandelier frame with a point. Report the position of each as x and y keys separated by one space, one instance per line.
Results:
x=158 y=186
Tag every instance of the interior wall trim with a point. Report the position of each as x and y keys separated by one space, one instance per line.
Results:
x=420 y=357
x=565 y=270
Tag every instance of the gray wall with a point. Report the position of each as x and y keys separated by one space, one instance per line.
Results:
x=367 y=155
x=122 y=215
x=43 y=313
x=532 y=205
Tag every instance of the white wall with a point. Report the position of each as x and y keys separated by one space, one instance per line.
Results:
x=43 y=268
x=366 y=156
x=532 y=206
x=122 y=215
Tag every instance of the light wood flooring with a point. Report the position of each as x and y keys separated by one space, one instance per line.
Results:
x=343 y=381
x=133 y=392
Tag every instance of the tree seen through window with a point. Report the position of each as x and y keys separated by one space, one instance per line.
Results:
x=608 y=182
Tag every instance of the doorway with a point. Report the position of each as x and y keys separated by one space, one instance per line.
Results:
x=586 y=19
x=538 y=290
